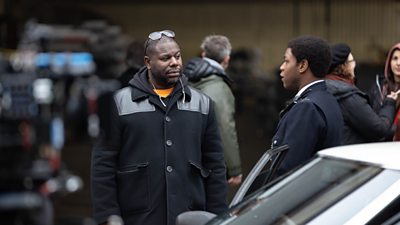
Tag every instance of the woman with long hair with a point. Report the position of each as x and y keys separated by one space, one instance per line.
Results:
x=388 y=83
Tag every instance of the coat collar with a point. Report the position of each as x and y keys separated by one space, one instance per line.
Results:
x=307 y=87
x=314 y=86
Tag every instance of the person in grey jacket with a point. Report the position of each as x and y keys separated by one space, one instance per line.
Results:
x=361 y=123
x=208 y=74
x=163 y=153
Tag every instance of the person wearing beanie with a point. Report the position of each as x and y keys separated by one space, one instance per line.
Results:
x=340 y=54
x=361 y=123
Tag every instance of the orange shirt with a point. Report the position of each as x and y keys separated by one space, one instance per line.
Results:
x=163 y=92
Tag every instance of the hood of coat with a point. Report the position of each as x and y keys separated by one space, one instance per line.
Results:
x=388 y=72
x=198 y=68
x=341 y=89
x=141 y=82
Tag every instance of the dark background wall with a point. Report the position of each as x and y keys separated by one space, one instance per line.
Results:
x=370 y=27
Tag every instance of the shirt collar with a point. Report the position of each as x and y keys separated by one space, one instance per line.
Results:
x=305 y=88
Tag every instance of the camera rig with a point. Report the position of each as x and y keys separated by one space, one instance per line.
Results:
x=58 y=73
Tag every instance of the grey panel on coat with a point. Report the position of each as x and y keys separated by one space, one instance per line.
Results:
x=126 y=106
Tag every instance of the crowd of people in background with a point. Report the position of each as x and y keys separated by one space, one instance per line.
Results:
x=172 y=145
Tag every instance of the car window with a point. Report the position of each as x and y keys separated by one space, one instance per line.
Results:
x=302 y=195
x=364 y=203
x=390 y=215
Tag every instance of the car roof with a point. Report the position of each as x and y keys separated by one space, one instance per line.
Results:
x=384 y=154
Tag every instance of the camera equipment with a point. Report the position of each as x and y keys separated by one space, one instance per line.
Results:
x=57 y=74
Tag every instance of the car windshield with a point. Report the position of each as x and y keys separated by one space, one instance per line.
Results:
x=302 y=195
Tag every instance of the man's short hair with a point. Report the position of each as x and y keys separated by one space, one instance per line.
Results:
x=313 y=49
x=216 y=47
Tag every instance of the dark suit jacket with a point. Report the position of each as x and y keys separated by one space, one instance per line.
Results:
x=312 y=123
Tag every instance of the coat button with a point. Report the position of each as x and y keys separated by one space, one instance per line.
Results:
x=169 y=143
x=168 y=119
x=169 y=169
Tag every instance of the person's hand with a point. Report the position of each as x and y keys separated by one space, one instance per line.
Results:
x=236 y=180
x=113 y=220
x=393 y=95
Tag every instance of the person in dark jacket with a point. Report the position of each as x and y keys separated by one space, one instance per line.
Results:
x=208 y=75
x=361 y=123
x=313 y=120
x=163 y=154
x=386 y=84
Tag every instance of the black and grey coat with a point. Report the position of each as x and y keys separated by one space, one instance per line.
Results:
x=361 y=123
x=157 y=161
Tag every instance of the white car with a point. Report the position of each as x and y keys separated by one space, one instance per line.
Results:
x=353 y=184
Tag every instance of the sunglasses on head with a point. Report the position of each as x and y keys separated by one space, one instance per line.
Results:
x=157 y=35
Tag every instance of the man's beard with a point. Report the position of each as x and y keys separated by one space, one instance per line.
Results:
x=165 y=81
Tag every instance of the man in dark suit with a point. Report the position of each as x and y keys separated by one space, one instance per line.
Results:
x=313 y=121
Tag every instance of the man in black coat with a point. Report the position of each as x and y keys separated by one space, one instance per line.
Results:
x=163 y=153
x=313 y=120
